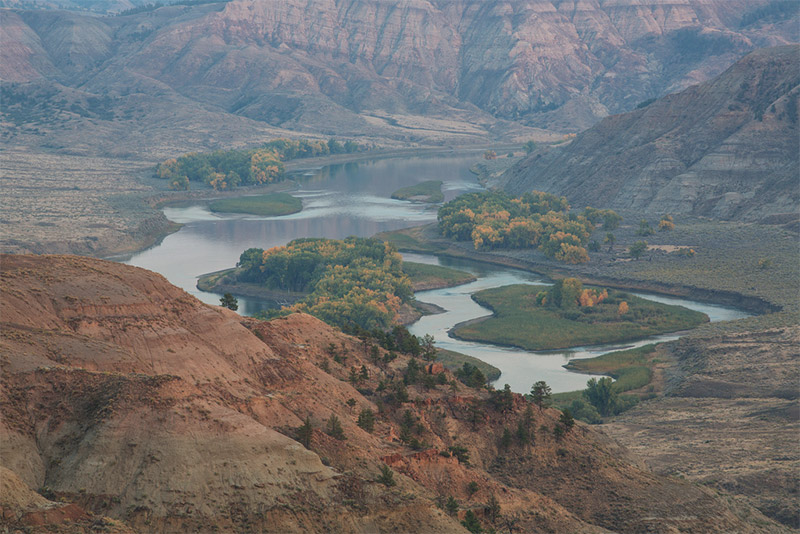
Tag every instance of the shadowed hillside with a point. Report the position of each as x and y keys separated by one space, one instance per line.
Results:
x=727 y=149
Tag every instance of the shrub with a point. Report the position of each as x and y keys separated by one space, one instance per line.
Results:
x=387 y=476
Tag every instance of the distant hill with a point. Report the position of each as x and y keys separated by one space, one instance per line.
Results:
x=363 y=67
x=727 y=148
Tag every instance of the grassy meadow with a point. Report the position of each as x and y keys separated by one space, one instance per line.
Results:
x=271 y=205
x=520 y=322
x=424 y=276
x=430 y=191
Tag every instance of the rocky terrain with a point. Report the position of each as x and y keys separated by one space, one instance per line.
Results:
x=732 y=400
x=725 y=149
x=128 y=399
x=371 y=66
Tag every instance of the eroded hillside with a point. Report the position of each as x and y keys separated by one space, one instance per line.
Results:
x=129 y=398
x=725 y=149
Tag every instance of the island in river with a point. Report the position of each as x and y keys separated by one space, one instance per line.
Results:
x=522 y=317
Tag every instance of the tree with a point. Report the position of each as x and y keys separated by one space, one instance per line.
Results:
x=333 y=428
x=472 y=488
x=611 y=220
x=610 y=239
x=461 y=454
x=490 y=154
x=602 y=395
x=567 y=420
x=387 y=476
x=471 y=522
x=502 y=400
x=541 y=393
x=451 y=507
x=493 y=508
x=637 y=249
x=529 y=147
x=505 y=439
x=644 y=228
x=229 y=301
x=305 y=432
x=366 y=420
x=666 y=223
x=623 y=308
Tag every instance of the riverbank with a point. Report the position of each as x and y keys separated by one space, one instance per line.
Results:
x=713 y=275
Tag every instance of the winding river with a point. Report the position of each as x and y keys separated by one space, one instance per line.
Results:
x=353 y=199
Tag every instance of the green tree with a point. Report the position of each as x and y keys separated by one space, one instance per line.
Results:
x=229 y=301
x=541 y=393
x=611 y=220
x=529 y=146
x=305 y=432
x=387 y=476
x=472 y=488
x=566 y=420
x=505 y=439
x=471 y=522
x=366 y=420
x=644 y=228
x=451 y=506
x=602 y=395
x=493 y=509
x=637 y=249
x=461 y=454
x=610 y=239
x=333 y=428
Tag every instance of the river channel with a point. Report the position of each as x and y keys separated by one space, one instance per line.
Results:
x=354 y=199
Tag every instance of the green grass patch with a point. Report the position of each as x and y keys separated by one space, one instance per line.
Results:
x=430 y=191
x=424 y=276
x=520 y=322
x=455 y=360
x=409 y=240
x=271 y=205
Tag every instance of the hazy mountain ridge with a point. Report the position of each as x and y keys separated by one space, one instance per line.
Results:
x=298 y=65
x=726 y=148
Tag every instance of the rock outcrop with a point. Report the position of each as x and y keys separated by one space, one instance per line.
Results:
x=726 y=148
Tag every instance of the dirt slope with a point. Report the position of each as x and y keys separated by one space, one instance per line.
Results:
x=129 y=398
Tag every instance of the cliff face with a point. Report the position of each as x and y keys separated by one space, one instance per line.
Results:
x=558 y=64
x=128 y=398
x=726 y=148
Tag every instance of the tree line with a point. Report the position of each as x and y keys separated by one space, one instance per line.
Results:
x=354 y=281
x=227 y=169
x=494 y=219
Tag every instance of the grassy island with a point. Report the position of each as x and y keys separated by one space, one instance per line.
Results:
x=425 y=276
x=272 y=205
x=569 y=315
x=430 y=191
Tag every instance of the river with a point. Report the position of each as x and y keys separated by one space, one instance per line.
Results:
x=353 y=199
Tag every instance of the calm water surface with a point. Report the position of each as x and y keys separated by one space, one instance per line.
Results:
x=353 y=199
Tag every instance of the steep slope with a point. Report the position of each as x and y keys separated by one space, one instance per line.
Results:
x=726 y=148
x=124 y=395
